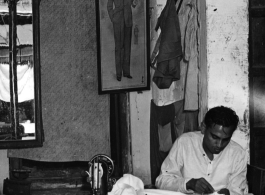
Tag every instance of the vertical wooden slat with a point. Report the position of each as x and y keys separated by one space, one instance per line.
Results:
x=115 y=135
x=120 y=133
x=125 y=132
x=13 y=66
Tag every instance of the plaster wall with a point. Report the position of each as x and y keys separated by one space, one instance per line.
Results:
x=140 y=136
x=227 y=60
x=140 y=113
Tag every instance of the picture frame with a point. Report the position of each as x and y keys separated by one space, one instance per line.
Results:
x=123 y=45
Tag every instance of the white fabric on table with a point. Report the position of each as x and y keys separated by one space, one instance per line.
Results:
x=132 y=185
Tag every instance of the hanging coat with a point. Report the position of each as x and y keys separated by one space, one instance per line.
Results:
x=169 y=47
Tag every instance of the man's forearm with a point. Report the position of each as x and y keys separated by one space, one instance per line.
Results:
x=172 y=183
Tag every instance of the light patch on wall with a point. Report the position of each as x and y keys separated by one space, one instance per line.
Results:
x=227 y=55
x=140 y=119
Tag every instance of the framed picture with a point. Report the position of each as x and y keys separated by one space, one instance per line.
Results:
x=123 y=43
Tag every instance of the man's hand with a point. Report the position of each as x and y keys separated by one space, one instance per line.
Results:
x=224 y=191
x=199 y=186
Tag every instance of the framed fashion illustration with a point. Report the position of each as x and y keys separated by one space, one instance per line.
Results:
x=123 y=45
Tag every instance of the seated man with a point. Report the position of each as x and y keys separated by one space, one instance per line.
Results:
x=209 y=161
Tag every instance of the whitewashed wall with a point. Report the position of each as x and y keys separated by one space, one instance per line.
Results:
x=140 y=128
x=140 y=111
x=227 y=60
x=140 y=116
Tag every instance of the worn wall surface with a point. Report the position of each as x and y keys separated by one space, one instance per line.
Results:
x=75 y=117
x=227 y=59
x=140 y=125
x=140 y=116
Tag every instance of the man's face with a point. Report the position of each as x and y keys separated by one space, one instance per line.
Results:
x=216 y=138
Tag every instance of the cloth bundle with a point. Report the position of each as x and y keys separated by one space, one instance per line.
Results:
x=131 y=185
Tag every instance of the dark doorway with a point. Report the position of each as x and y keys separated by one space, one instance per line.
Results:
x=257 y=81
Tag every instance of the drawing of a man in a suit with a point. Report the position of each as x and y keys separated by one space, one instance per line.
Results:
x=120 y=14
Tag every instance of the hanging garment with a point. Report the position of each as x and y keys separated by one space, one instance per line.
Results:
x=187 y=86
x=165 y=137
x=169 y=48
x=167 y=123
x=159 y=115
x=175 y=92
x=188 y=19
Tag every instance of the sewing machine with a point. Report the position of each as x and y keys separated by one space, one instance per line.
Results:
x=100 y=169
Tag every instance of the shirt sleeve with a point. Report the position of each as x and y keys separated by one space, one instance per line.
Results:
x=237 y=181
x=171 y=177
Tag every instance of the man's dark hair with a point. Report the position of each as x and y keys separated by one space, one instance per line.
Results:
x=223 y=116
